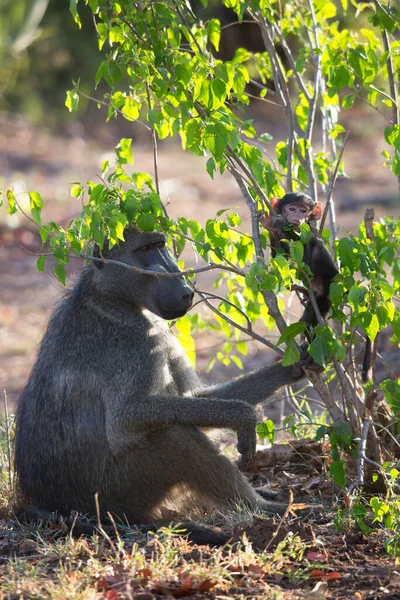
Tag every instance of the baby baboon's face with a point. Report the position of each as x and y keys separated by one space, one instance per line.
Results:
x=296 y=214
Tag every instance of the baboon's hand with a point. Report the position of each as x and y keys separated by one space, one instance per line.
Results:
x=247 y=440
x=307 y=362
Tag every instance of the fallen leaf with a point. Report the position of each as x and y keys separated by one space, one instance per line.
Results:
x=111 y=595
x=185 y=589
x=145 y=573
x=234 y=569
x=319 y=556
x=102 y=584
x=255 y=571
x=206 y=585
x=318 y=575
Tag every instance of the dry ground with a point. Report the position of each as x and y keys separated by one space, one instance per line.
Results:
x=317 y=561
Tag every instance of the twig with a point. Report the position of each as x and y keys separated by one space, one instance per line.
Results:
x=257 y=83
x=217 y=297
x=349 y=394
x=361 y=452
x=391 y=78
x=131 y=27
x=378 y=425
x=108 y=105
x=159 y=274
x=285 y=515
x=30 y=251
x=332 y=182
x=283 y=90
x=100 y=526
x=8 y=439
x=292 y=64
x=248 y=332
x=261 y=147
x=187 y=25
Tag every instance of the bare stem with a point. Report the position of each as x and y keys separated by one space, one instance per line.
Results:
x=332 y=182
x=361 y=452
x=248 y=332
x=8 y=440
x=210 y=267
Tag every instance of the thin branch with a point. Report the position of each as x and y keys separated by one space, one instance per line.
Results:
x=138 y=37
x=210 y=267
x=8 y=441
x=30 y=251
x=248 y=332
x=332 y=182
x=292 y=64
x=350 y=395
x=217 y=297
x=187 y=25
x=263 y=100
x=248 y=21
x=263 y=150
x=108 y=105
x=379 y=426
x=283 y=519
x=362 y=446
x=257 y=83
x=390 y=71
x=283 y=89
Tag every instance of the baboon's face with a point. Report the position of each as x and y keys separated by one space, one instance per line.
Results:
x=167 y=297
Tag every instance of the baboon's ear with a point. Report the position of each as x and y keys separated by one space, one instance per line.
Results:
x=317 y=212
x=96 y=254
x=275 y=202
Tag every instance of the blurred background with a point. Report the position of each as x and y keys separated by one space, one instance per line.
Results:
x=45 y=148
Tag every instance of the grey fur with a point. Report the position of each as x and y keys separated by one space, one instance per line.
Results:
x=113 y=406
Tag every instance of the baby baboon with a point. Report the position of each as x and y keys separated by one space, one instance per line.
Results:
x=113 y=407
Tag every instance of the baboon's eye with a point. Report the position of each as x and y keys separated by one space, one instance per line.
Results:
x=160 y=244
x=144 y=248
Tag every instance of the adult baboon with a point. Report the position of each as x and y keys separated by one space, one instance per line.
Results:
x=113 y=407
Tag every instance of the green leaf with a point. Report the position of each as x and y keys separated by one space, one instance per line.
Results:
x=336 y=292
x=214 y=32
x=211 y=167
x=336 y=469
x=241 y=55
x=124 y=151
x=40 y=262
x=74 y=12
x=214 y=141
x=130 y=206
x=72 y=100
x=316 y=350
x=146 y=222
x=36 y=205
x=297 y=252
x=357 y=294
x=305 y=233
x=265 y=137
x=59 y=270
x=348 y=101
x=392 y=136
x=11 y=203
x=266 y=430
x=291 y=355
x=76 y=190
x=291 y=332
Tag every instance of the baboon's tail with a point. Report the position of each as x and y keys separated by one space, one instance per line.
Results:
x=79 y=525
